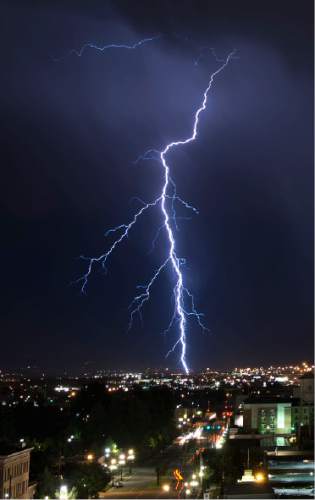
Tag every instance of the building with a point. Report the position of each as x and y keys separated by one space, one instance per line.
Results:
x=302 y=415
x=14 y=473
x=306 y=389
x=267 y=416
x=250 y=486
x=303 y=407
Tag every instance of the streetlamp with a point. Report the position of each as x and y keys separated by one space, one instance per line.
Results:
x=130 y=458
x=202 y=475
x=63 y=493
x=194 y=484
x=122 y=462
x=260 y=477
x=113 y=467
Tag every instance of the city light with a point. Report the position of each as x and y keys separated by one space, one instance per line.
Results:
x=63 y=493
x=259 y=477
x=116 y=460
x=194 y=483
x=131 y=455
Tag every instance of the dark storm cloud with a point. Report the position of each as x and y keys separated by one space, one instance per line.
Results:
x=71 y=131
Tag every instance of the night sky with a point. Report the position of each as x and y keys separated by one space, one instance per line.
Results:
x=70 y=131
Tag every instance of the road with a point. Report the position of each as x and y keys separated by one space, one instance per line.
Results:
x=141 y=484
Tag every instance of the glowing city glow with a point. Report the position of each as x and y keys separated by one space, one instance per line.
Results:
x=184 y=305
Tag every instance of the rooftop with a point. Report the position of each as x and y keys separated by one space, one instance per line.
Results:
x=267 y=400
x=7 y=449
x=250 y=490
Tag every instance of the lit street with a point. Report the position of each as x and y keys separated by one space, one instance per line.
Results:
x=180 y=456
x=141 y=484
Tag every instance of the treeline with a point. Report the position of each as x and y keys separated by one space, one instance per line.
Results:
x=94 y=419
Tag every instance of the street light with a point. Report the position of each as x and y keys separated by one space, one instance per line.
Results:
x=122 y=462
x=259 y=477
x=130 y=458
x=63 y=493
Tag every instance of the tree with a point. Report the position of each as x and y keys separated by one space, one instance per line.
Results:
x=87 y=479
x=47 y=484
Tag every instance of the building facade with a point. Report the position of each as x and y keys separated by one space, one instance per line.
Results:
x=14 y=474
x=303 y=407
x=266 y=417
x=302 y=415
x=307 y=389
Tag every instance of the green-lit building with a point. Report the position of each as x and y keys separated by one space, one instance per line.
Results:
x=268 y=416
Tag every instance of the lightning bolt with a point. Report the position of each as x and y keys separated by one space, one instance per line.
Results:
x=201 y=55
x=180 y=289
x=102 y=48
x=184 y=306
